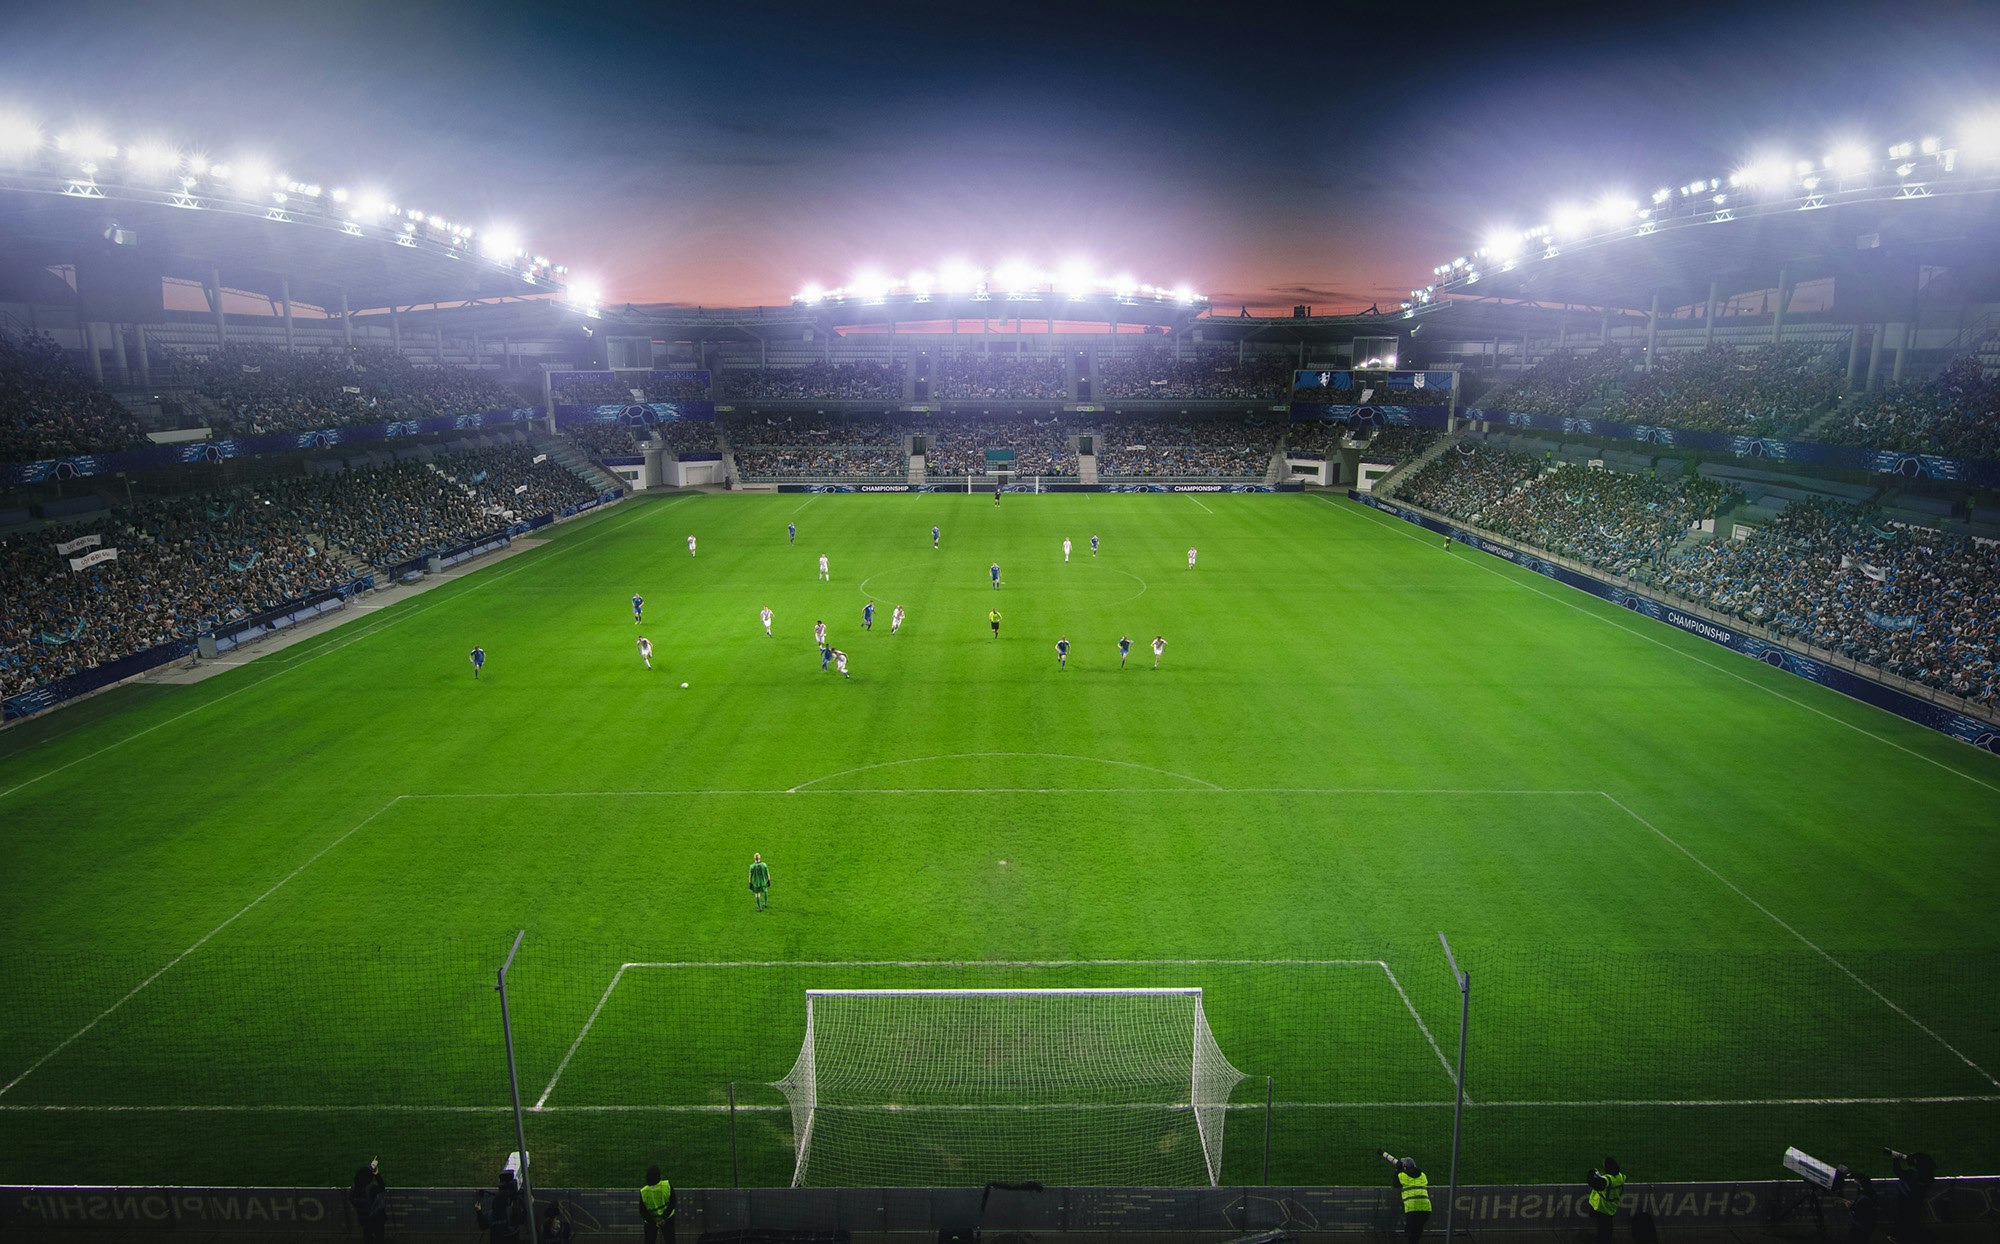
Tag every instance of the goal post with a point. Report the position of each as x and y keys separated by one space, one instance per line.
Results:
x=963 y=1087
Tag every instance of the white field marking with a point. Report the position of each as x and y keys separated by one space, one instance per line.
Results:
x=571 y=1052
x=1198 y=501
x=541 y=1102
x=803 y=504
x=199 y=943
x=1674 y=648
x=1424 y=1028
x=917 y=760
x=1810 y=944
x=281 y=667
x=743 y=1108
x=1007 y=790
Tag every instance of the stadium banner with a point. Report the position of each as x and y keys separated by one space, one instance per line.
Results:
x=1385 y=416
x=1046 y=486
x=81 y=542
x=187 y=453
x=695 y=457
x=1409 y=388
x=1805 y=453
x=559 y=380
x=91 y=559
x=635 y=414
x=27 y=1211
x=1939 y=717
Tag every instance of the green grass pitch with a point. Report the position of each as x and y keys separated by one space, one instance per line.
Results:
x=1709 y=910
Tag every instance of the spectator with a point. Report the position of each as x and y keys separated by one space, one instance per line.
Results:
x=853 y=382
x=1956 y=415
x=48 y=409
x=505 y=1218
x=975 y=376
x=1179 y=446
x=1154 y=372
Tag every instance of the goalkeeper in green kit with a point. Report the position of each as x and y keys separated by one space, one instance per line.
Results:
x=760 y=880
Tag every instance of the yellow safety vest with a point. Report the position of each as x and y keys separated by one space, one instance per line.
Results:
x=1606 y=1201
x=655 y=1198
x=1416 y=1193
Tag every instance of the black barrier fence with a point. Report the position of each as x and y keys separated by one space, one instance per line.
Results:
x=1300 y=1212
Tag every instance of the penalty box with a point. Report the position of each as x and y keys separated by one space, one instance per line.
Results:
x=677 y=1036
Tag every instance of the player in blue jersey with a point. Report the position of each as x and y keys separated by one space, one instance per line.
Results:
x=825 y=657
x=935 y=535
x=994 y=570
x=638 y=609
x=1124 y=649
x=791 y=533
x=1093 y=546
x=478 y=662
x=868 y=616
x=1062 y=653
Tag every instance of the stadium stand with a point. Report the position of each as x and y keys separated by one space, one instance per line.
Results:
x=1179 y=446
x=1956 y=415
x=1398 y=444
x=809 y=446
x=1041 y=446
x=255 y=389
x=1153 y=372
x=1769 y=391
x=48 y=409
x=971 y=376
x=589 y=389
x=1560 y=385
x=850 y=382
x=602 y=440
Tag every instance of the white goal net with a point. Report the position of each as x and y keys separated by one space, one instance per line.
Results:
x=963 y=1087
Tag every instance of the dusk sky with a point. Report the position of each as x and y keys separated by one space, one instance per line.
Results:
x=732 y=154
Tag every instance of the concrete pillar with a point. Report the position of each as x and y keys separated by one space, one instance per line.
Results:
x=478 y=360
x=215 y=300
x=90 y=351
x=1603 y=332
x=145 y=359
x=1853 y=354
x=285 y=293
x=346 y=321
x=1778 y=312
x=1875 y=335
x=1652 y=329
x=1904 y=345
x=1524 y=351
x=1708 y=317
x=439 y=342
x=396 y=329
x=118 y=354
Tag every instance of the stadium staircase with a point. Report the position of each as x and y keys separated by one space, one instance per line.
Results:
x=1386 y=485
x=1086 y=468
x=730 y=472
x=571 y=457
x=351 y=565
x=918 y=471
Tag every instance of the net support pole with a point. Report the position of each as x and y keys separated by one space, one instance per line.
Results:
x=734 y=1180
x=1458 y=1111
x=1267 y=1131
x=514 y=1082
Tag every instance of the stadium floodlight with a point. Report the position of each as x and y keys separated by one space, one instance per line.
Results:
x=1616 y=209
x=339 y=194
x=811 y=293
x=153 y=158
x=1015 y=276
x=1123 y=285
x=19 y=135
x=251 y=176
x=1804 y=168
x=1930 y=146
x=222 y=172
x=1503 y=244
x=500 y=243
x=959 y=277
x=372 y=205
x=1076 y=277
x=584 y=293
x=1185 y=295
x=1979 y=137
x=198 y=164
x=869 y=285
x=1662 y=195
x=1848 y=160
x=1570 y=221
x=920 y=283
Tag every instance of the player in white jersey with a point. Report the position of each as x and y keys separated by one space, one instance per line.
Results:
x=819 y=633
x=895 y=619
x=765 y=614
x=690 y=546
x=1159 y=649
x=840 y=662
x=1065 y=550
x=822 y=569
x=1190 y=557
x=646 y=651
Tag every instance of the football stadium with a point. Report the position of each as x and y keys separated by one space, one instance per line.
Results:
x=1007 y=746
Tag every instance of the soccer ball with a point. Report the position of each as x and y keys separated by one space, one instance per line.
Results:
x=684 y=686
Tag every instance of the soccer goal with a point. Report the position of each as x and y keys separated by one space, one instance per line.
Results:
x=963 y=1087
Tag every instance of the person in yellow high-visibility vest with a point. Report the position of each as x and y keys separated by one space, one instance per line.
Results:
x=657 y=1206
x=1414 y=1187
x=1606 y=1186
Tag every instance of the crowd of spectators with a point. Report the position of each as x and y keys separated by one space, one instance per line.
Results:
x=1400 y=444
x=1561 y=384
x=840 y=382
x=1372 y=392
x=183 y=567
x=1767 y=391
x=974 y=376
x=1041 y=446
x=259 y=389
x=48 y=409
x=1956 y=415
x=1467 y=482
x=1154 y=372
x=596 y=389
x=812 y=445
x=1917 y=603
x=1176 y=445
x=686 y=436
x=606 y=440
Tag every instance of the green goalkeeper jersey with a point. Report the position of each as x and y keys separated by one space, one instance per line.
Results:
x=760 y=876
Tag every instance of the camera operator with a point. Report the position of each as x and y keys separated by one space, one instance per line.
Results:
x=1415 y=1188
x=1863 y=1207
x=506 y=1219
x=1915 y=1173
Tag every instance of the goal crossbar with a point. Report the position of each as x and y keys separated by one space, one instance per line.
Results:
x=1194 y=991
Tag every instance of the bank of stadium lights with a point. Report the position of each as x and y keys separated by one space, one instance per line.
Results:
x=1016 y=279
x=1846 y=166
